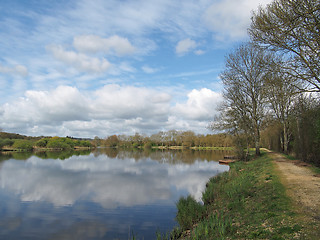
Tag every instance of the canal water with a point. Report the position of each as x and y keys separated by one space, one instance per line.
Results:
x=105 y=194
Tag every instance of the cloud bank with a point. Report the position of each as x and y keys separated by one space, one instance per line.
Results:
x=112 y=109
x=88 y=68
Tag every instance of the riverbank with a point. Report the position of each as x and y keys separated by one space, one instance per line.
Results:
x=248 y=202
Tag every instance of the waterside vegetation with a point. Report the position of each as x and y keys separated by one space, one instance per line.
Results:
x=172 y=139
x=248 y=202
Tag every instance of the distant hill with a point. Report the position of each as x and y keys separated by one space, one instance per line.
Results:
x=6 y=135
x=75 y=138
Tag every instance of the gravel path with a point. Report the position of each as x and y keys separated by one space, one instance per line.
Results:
x=303 y=187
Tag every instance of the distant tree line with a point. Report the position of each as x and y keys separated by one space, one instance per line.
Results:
x=12 y=141
x=272 y=83
x=167 y=139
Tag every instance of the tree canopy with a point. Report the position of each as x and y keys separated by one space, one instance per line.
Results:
x=244 y=79
x=292 y=28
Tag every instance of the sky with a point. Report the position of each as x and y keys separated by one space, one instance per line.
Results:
x=102 y=67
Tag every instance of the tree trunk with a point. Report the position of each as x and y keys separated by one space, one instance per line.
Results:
x=248 y=147
x=257 y=141
x=281 y=142
x=285 y=139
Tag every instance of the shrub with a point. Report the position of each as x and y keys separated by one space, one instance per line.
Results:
x=42 y=142
x=6 y=142
x=58 y=143
x=23 y=145
x=85 y=144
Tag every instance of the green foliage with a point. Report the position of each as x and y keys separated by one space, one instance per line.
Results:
x=189 y=212
x=20 y=142
x=306 y=130
x=85 y=143
x=6 y=142
x=291 y=28
x=24 y=145
x=4 y=135
x=216 y=225
x=248 y=202
x=135 y=145
x=172 y=138
x=42 y=142
x=60 y=143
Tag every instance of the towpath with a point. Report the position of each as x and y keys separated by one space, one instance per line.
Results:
x=303 y=187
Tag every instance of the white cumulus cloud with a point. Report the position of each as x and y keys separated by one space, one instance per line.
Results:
x=201 y=105
x=229 y=19
x=184 y=46
x=114 y=101
x=112 y=109
x=79 y=61
x=113 y=45
x=44 y=107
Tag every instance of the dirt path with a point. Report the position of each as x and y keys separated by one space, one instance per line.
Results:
x=303 y=187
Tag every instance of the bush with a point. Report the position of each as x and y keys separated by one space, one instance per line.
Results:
x=42 y=142
x=25 y=145
x=58 y=143
x=6 y=142
x=85 y=144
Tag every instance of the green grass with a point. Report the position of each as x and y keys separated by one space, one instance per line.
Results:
x=248 y=202
x=289 y=157
x=316 y=170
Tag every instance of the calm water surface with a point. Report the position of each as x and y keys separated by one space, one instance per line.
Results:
x=106 y=194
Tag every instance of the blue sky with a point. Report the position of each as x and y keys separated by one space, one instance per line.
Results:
x=97 y=68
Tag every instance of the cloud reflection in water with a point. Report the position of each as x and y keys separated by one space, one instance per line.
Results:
x=110 y=182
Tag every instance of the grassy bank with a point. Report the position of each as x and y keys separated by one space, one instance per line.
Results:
x=248 y=202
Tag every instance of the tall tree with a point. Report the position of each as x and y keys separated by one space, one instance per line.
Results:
x=307 y=128
x=281 y=92
x=235 y=120
x=292 y=27
x=244 y=81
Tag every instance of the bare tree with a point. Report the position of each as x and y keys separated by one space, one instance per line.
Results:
x=244 y=93
x=281 y=92
x=292 y=27
x=236 y=121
